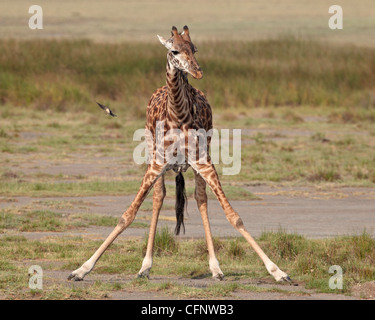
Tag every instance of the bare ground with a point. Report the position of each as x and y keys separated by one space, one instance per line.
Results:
x=308 y=211
x=288 y=292
x=312 y=212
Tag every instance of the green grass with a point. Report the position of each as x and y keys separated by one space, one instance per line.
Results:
x=30 y=220
x=79 y=189
x=306 y=261
x=41 y=189
x=312 y=258
x=274 y=150
x=253 y=86
x=65 y=75
x=164 y=244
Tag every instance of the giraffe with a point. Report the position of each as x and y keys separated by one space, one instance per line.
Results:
x=178 y=105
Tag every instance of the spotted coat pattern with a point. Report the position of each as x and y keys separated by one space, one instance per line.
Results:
x=182 y=107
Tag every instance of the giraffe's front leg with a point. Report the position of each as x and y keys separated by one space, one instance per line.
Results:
x=157 y=203
x=152 y=174
x=201 y=198
x=209 y=174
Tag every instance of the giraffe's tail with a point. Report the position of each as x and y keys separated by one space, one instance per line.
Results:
x=181 y=202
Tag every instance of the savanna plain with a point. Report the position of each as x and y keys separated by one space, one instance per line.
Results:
x=306 y=110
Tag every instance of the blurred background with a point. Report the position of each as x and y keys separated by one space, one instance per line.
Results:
x=302 y=94
x=254 y=53
x=116 y=20
x=269 y=66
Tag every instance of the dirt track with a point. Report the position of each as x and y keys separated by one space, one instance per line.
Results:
x=306 y=211
x=310 y=212
x=289 y=292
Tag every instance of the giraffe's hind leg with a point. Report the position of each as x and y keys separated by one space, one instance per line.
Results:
x=152 y=174
x=209 y=174
x=201 y=198
x=158 y=198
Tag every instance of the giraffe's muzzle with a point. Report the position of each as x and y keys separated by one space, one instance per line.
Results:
x=197 y=74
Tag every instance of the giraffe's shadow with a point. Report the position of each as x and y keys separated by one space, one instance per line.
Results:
x=227 y=275
x=202 y=276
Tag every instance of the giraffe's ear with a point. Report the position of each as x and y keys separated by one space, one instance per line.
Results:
x=165 y=43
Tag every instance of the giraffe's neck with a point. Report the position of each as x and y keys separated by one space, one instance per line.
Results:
x=178 y=107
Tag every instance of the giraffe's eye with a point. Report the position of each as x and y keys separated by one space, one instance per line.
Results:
x=175 y=52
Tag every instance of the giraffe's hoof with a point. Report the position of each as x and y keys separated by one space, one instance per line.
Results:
x=74 y=277
x=143 y=275
x=287 y=279
x=218 y=277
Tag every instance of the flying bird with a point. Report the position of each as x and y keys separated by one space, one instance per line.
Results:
x=106 y=109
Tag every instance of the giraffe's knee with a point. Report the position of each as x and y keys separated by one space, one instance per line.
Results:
x=122 y=223
x=126 y=219
x=159 y=190
x=158 y=198
x=239 y=223
x=200 y=197
x=235 y=221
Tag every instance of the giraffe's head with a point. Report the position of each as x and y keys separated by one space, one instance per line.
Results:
x=181 y=52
